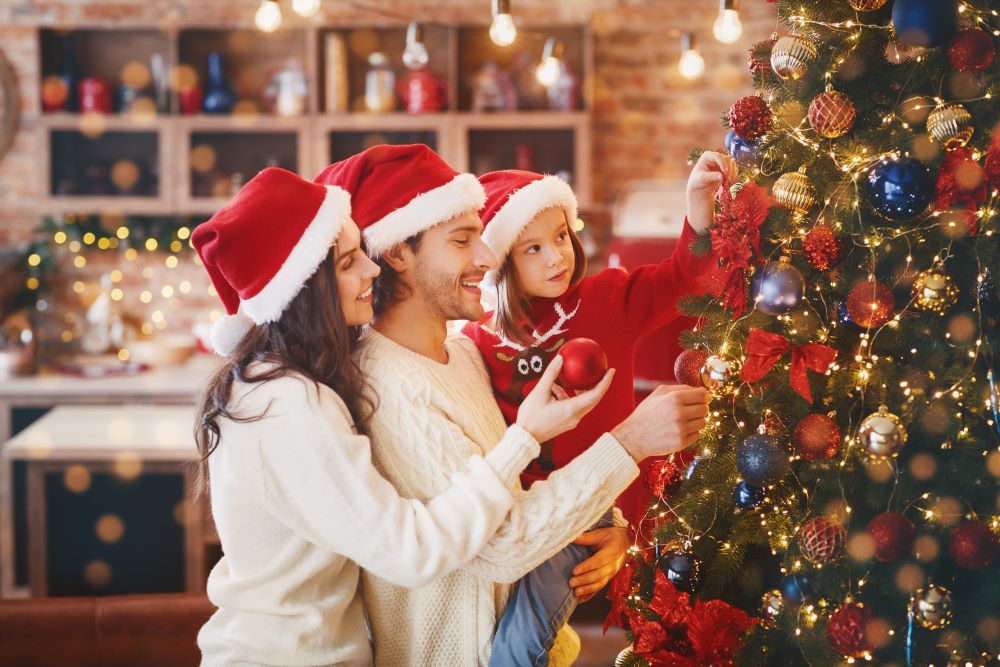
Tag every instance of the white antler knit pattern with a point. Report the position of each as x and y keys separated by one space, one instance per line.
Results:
x=431 y=417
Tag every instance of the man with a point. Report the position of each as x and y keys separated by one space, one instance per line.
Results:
x=436 y=407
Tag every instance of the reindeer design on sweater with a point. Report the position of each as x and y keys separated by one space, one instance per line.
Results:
x=530 y=361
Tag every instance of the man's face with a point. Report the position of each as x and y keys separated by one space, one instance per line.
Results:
x=450 y=263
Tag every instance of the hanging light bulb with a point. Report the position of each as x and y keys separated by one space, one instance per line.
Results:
x=415 y=54
x=727 y=28
x=550 y=68
x=502 y=31
x=691 y=64
x=305 y=8
x=268 y=16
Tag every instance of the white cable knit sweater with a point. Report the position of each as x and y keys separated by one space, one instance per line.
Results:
x=298 y=505
x=431 y=417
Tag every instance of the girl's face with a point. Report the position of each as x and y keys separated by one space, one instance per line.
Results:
x=355 y=276
x=543 y=255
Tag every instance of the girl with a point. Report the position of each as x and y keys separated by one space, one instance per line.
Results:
x=296 y=501
x=544 y=300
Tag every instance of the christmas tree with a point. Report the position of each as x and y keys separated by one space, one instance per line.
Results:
x=843 y=502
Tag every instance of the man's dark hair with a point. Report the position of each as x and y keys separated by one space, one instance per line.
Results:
x=388 y=288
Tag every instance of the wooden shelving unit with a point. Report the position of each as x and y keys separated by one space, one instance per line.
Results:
x=170 y=148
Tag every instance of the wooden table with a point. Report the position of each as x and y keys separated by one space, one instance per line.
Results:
x=99 y=438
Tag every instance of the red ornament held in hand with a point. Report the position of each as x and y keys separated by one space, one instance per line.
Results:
x=584 y=364
x=688 y=365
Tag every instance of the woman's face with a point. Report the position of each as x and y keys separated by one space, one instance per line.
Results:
x=355 y=276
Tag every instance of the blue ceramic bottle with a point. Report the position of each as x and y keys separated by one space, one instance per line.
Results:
x=219 y=96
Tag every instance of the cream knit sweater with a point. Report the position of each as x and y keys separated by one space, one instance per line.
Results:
x=299 y=506
x=431 y=417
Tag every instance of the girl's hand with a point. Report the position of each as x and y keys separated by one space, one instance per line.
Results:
x=593 y=574
x=547 y=411
x=709 y=173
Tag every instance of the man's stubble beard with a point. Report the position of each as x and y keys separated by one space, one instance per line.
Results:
x=441 y=296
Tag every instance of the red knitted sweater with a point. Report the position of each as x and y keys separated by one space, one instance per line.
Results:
x=614 y=308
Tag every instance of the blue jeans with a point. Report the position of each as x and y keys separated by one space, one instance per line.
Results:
x=541 y=603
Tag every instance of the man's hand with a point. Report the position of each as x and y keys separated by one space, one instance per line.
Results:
x=593 y=574
x=667 y=421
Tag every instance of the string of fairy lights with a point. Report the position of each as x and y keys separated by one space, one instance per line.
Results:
x=854 y=164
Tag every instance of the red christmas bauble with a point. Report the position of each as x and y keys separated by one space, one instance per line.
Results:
x=972 y=50
x=816 y=437
x=870 y=304
x=687 y=367
x=821 y=540
x=846 y=630
x=822 y=248
x=893 y=534
x=759 y=55
x=773 y=426
x=584 y=363
x=972 y=545
x=750 y=117
x=831 y=114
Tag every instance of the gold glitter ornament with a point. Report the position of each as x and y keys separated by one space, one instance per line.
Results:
x=792 y=56
x=932 y=607
x=934 y=291
x=866 y=5
x=882 y=434
x=795 y=192
x=951 y=125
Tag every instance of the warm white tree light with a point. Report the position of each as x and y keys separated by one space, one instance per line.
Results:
x=691 y=64
x=550 y=68
x=503 y=32
x=268 y=16
x=728 y=28
x=306 y=8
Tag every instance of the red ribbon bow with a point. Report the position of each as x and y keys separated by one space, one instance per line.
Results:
x=764 y=349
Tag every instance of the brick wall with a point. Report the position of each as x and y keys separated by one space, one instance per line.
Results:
x=646 y=117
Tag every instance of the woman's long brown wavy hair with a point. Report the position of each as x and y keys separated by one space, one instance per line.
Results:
x=312 y=338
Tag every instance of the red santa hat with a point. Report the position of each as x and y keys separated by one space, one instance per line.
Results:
x=262 y=247
x=513 y=199
x=399 y=191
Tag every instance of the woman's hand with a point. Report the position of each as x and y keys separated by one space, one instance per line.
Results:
x=709 y=173
x=548 y=411
x=593 y=574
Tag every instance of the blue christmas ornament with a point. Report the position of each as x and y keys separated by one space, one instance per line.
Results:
x=797 y=589
x=761 y=460
x=691 y=468
x=746 y=496
x=900 y=188
x=746 y=153
x=925 y=23
x=844 y=317
x=777 y=287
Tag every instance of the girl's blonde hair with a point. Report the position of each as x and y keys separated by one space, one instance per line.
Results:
x=510 y=319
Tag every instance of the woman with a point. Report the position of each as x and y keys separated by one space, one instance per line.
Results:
x=296 y=501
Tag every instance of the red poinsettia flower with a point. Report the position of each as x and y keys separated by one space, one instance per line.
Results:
x=708 y=633
x=735 y=241
x=716 y=630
